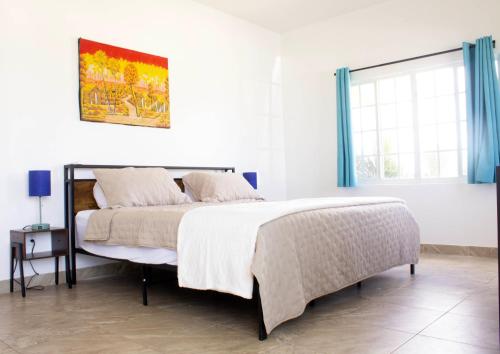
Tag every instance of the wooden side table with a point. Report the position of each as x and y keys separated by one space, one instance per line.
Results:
x=18 y=245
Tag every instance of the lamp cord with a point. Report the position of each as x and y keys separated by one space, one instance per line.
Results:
x=35 y=273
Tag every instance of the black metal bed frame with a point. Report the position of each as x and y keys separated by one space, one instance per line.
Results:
x=69 y=217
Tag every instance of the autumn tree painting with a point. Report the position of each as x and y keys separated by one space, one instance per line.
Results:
x=123 y=86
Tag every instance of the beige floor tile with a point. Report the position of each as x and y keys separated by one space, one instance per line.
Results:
x=483 y=304
x=313 y=333
x=348 y=337
x=5 y=349
x=389 y=280
x=402 y=318
x=422 y=298
x=342 y=302
x=449 y=284
x=216 y=340
x=422 y=344
x=107 y=316
x=89 y=343
x=466 y=329
x=476 y=269
x=8 y=350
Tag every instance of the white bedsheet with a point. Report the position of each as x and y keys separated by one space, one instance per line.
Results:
x=133 y=254
x=216 y=244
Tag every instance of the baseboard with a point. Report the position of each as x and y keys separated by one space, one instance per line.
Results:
x=98 y=271
x=490 y=252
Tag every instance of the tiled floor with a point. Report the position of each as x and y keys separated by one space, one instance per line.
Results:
x=450 y=306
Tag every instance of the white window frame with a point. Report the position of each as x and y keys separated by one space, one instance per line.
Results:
x=417 y=179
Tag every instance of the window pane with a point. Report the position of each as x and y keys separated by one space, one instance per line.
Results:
x=389 y=141
x=407 y=166
x=428 y=138
x=367 y=94
x=357 y=144
x=368 y=119
x=366 y=167
x=429 y=165
x=425 y=84
x=461 y=79
x=444 y=80
x=447 y=136
x=448 y=164
x=426 y=110
x=463 y=135
x=445 y=109
x=464 y=162
x=462 y=106
x=406 y=143
x=405 y=114
x=386 y=92
x=390 y=166
x=414 y=119
x=355 y=96
x=387 y=116
x=370 y=143
x=355 y=119
x=403 y=88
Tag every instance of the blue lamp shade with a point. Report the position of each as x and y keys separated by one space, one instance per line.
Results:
x=251 y=177
x=39 y=183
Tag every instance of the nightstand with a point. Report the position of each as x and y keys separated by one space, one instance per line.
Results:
x=19 y=240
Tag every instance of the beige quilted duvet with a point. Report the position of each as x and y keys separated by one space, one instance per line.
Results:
x=298 y=257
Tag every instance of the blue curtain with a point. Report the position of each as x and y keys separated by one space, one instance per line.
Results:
x=346 y=176
x=483 y=111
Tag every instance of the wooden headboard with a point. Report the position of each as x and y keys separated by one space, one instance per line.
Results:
x=84 y=195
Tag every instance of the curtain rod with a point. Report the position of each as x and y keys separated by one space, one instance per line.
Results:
x=408 y=59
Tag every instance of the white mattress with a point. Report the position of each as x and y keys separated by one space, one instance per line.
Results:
x=133 y=254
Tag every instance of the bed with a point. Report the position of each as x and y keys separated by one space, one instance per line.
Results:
x=299 y=253
x=141 y=255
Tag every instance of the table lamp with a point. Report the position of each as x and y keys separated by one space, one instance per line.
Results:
x=39 y=186
x=251 y=178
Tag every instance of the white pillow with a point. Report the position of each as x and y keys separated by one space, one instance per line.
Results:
x=187 y=191
x=99 y=196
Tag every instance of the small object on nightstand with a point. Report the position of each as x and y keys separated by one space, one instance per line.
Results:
x=39 y=186
x=18 y=246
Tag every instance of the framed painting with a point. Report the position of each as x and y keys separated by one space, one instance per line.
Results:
x=123 y=86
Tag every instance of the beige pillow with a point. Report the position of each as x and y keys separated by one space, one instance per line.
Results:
x=126 y=187
x=219 y=187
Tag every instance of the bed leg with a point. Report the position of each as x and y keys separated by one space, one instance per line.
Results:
x=359 y=284
x=412 y=269
x=260 y=314
x=145 y=285
x=73 y=268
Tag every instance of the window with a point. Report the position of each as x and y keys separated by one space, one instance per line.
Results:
x=410 y=125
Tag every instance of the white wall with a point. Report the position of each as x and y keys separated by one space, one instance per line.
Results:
x=457 y=214
x=223 y=73
x=225 y=99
